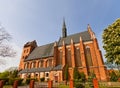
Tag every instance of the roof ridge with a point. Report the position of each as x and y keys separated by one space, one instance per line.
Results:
x=76 y=33
x=45 y=44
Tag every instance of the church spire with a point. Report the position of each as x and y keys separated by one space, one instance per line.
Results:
x=64 y=29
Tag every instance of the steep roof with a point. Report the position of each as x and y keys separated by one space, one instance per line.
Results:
x=41 y=52
x=35 y=70
x=75 y=37
x=48 y=49
x=58 y=67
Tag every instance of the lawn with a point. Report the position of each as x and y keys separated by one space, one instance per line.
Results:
x=7 y=86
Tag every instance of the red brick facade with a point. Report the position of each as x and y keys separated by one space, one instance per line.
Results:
x=75 y=51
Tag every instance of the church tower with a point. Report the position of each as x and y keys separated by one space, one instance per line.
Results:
x=27 y=49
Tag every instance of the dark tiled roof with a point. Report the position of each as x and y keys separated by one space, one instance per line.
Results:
x=58 y=67
x=36 y=70
x=48 y=50
x=76 y=38
x=23 y=71
x=43 y=69
x=41 y=52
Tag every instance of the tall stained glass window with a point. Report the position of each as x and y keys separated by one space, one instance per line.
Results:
x=77 y=57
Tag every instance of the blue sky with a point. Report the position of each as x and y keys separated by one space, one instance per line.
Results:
x=41 y=20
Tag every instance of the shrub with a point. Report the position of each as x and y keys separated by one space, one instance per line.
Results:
x=4 y=74
x=76 y=74
x=78 y=83
x=82 y=77
x=63 y=86
x=90 y=79
x=19 y=81
x=11 y=81
x=5 y=80
x=79 y=79
x=66 y=74
x=42 y=79
x=113 y=76
x=27 y=81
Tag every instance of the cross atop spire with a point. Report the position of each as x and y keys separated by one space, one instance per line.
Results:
x=64 y=29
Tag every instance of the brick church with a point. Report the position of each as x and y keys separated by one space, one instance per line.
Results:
x=78 y=50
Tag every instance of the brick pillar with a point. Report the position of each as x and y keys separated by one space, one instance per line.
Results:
x=31 y=84
x=64 y=56
x=71 y=84
x=50 y=83
x=1 y=83
x=102 y=68
x=83 y=59
x=15 y=85
x=55 y=54
x=95 y=83
x=72 y=53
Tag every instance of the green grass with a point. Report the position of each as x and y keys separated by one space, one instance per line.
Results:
x=113 y=87
x=63 y=86
x=7 y=86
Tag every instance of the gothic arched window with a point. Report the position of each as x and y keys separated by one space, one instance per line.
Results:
x=88 y=56
x=59 y=61
x=25 y=66
x=69 y=60
x=77 y=57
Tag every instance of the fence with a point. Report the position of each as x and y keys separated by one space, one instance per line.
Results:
x=70 y=84
x=49 y=84
x=109 y=84
x=41 y=85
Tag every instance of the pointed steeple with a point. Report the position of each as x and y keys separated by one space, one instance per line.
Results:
x=89 y=28
x=92 y=34
x=72 y=41
x=80 y=38
x=64 y=29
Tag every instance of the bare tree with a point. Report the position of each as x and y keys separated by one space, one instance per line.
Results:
x=5 y=49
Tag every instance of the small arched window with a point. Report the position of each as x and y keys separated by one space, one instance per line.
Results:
x=50 y=62
x=41 y=63
x=25 y=66
x=33 y=64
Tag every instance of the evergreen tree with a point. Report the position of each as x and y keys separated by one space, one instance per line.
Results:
x=66 y=75
x=111 y=41
x=76 y=74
